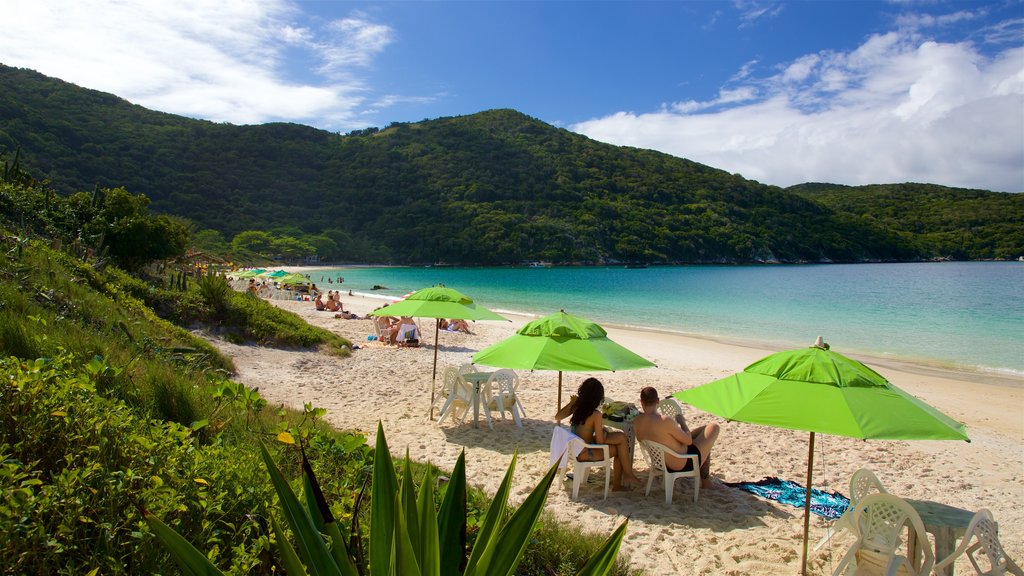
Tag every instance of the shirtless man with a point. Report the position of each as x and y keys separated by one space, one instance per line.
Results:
x=676 y=436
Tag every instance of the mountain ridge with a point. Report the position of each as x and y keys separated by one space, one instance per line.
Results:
x=495 y=187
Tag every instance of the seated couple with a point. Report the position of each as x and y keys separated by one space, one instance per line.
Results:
x=674 y=434
x=402 y=331
x=587 y=422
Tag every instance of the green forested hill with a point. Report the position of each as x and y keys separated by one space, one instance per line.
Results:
x=954 y=222
x=490 y=188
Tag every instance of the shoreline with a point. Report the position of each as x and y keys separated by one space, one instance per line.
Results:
x=923 y=367
x=727 y=531
x=931 y=364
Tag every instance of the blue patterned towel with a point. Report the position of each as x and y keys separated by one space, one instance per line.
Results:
x=827 y=504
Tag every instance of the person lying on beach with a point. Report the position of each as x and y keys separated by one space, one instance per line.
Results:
x=456 y=325
x=675 y=435
x=588 y=423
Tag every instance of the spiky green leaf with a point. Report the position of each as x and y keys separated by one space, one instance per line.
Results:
x=191 y=561
x=323 y=518
x=405 y=562
x=492 y=521
x=451 y=519
x=310 y=543
x=290 y=560
x=429 y=558
x=382 y=505
x=504 y=552
x=408 y=504
x=603 y=561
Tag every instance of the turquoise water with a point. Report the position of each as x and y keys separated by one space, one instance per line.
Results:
x=959 y=314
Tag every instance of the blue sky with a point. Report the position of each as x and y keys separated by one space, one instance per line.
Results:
x=780 y=92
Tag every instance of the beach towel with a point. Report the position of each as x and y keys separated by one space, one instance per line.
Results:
x=560 y=439
x=825 y=504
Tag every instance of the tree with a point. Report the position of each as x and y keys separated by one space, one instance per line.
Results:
x=253 y=241
x=292 y=248
x=324 y=246
x=132 y=236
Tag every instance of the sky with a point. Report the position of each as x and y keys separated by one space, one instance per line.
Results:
x=848 y=92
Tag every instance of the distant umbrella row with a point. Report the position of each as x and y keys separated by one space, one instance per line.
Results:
x=279 y=276
x=812 y=389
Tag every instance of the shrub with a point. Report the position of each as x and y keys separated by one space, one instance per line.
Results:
x=75 y=465
x=214 y=289
x=407 y=534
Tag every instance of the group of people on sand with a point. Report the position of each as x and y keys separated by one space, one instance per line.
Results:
x=587 y=422
x=402 y=331
x=454 y=325
x=333 y=304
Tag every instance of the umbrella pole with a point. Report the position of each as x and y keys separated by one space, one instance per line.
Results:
x=433 y=381
x=807 y=502
x=559 y=406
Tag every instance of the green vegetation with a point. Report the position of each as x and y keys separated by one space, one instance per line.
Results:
x=418 y=538
x=496 y=187
x=109 y=411
x=947 y=222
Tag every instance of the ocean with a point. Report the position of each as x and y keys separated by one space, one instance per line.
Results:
x=965 y=315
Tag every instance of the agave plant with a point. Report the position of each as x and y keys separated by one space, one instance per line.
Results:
x=407 y=536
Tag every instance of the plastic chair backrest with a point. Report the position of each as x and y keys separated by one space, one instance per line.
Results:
x=880 y=519
x=670 y=407
x=654 y=455
x=984 y=531
x=862 y=483
x=451 y=380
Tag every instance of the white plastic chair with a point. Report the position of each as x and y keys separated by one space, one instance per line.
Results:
x=581 y=468
x=460 y=397
x=985 y=531
x=670 y=407
x=654 y=453
x=382 y=329
x=878 y=521
x=448 y=384
x=862 y=483
x=500 y=395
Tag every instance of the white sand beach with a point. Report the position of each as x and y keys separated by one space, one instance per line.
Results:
x=728 y=531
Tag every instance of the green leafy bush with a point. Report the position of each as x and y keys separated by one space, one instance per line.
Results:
x=214 y=289
x=257 y=320
x=75 y=465
x=408 y=535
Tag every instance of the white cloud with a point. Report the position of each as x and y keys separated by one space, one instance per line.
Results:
x=224 y=61
x=358 y=41
x=896 y=109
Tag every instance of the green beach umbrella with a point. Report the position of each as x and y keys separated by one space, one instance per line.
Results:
x=272 y=274
x=561 y=342
x=250 y=273
x=293 y=278
x=437 y=302
x=817 y=390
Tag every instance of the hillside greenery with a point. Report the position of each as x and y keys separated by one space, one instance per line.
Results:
x=110 y=410
x=496 y=187
x=951 y=222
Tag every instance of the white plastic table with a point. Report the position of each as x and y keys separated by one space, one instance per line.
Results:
x=476 y=379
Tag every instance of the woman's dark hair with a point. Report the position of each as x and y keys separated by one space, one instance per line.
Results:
x=588 y=398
